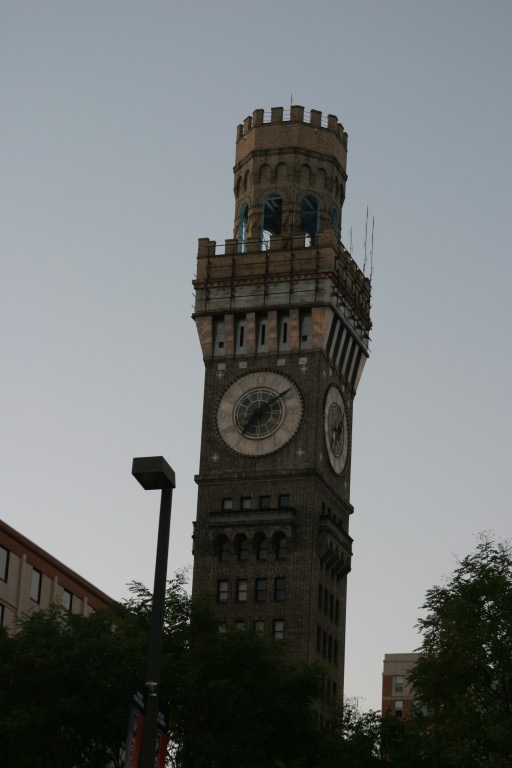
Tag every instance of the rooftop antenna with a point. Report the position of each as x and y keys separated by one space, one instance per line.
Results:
x=365 y=240
x=291 y=99
x=371 y=250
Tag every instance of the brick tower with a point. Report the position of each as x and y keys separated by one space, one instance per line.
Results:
x=283 y=316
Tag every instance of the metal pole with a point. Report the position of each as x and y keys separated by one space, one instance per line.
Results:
x=147 y=755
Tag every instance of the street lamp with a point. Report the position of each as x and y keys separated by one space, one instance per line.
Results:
x=153 y=473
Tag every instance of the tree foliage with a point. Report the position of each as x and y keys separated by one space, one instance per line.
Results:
x=464 y=675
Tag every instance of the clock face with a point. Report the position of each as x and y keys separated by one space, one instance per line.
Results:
x=259 y=413
x=336 y=429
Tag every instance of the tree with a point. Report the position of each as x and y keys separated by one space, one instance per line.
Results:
x=464 y=674
x=66 y=684
x=66 y=681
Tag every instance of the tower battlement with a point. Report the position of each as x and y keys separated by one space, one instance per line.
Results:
x=296 y=114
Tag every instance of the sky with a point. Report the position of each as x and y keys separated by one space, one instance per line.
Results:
x=118 y=138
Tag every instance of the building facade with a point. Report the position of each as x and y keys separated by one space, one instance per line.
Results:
x=31 y=579
x=397 y=694
x=283 y=317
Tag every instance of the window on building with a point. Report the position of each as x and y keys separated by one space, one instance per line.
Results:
x=399 y=708
x=324 y=644
x=278 y=629
x=222 y=591
x=241 y=592
x=4 y=563
x=331 y=607
x=259 y=627
x=240 y=624
x=223 y=628
x=284 y=501
x=35 y=586
x=2 y=611
x=224 y=551
x=243 y=217
x=398 y=683
x=335 y=652
x=262 y=333
x=246 y=502
x=284 y=331
x=329 y=649
x=318 y=638
x=67 y=600
x=279 y=588
x=309 y=216
x=227 y=503
x=243 y=552
x=272 y=213
x=262 y=550
x=261 y=590
x=264 y=502
x=282 y=548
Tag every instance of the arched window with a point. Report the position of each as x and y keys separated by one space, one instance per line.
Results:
x=242 y=547
x=261 y=546
x=280 y=546
x=309 y=216
x=272 y=214
x=224 y=551
x=336 y=220
x=243 y=217
x=222 y=547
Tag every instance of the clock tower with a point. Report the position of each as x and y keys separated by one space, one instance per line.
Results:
x=283 y=317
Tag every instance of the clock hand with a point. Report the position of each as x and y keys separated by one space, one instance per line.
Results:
x=281 y=394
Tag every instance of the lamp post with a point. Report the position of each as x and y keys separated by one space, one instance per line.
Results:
x=154 y=473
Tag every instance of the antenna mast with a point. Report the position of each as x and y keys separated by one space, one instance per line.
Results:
x=365 y=241
x=371 y=250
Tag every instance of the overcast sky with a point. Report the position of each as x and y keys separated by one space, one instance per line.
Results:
x=118 y=138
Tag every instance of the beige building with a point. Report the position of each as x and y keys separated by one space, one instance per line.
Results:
x=397 y=694
x=31 y=579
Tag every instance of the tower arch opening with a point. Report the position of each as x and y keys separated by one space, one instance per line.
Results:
x=309 y=217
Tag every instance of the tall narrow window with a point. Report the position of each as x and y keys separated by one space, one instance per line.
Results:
x=336 y=221
x=262 y=550
x=284 y=331
x=272 y=214
x=222 y=591
x=279 y=588
x=243 y=552
x=278 y=629
x=35 y=586
x=67 y=600
x=224 y=551
x=245 y=502
x=399 y=708
x=243 y=217
x=309 y=216
x=240 y=335
x=2 y=611
x=398 y=683
x=241 y=594
x=4 y=563
x=264 y=502
x=261 y=590
x=282 y=548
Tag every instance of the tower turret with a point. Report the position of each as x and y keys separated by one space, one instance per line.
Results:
x=289 y=174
